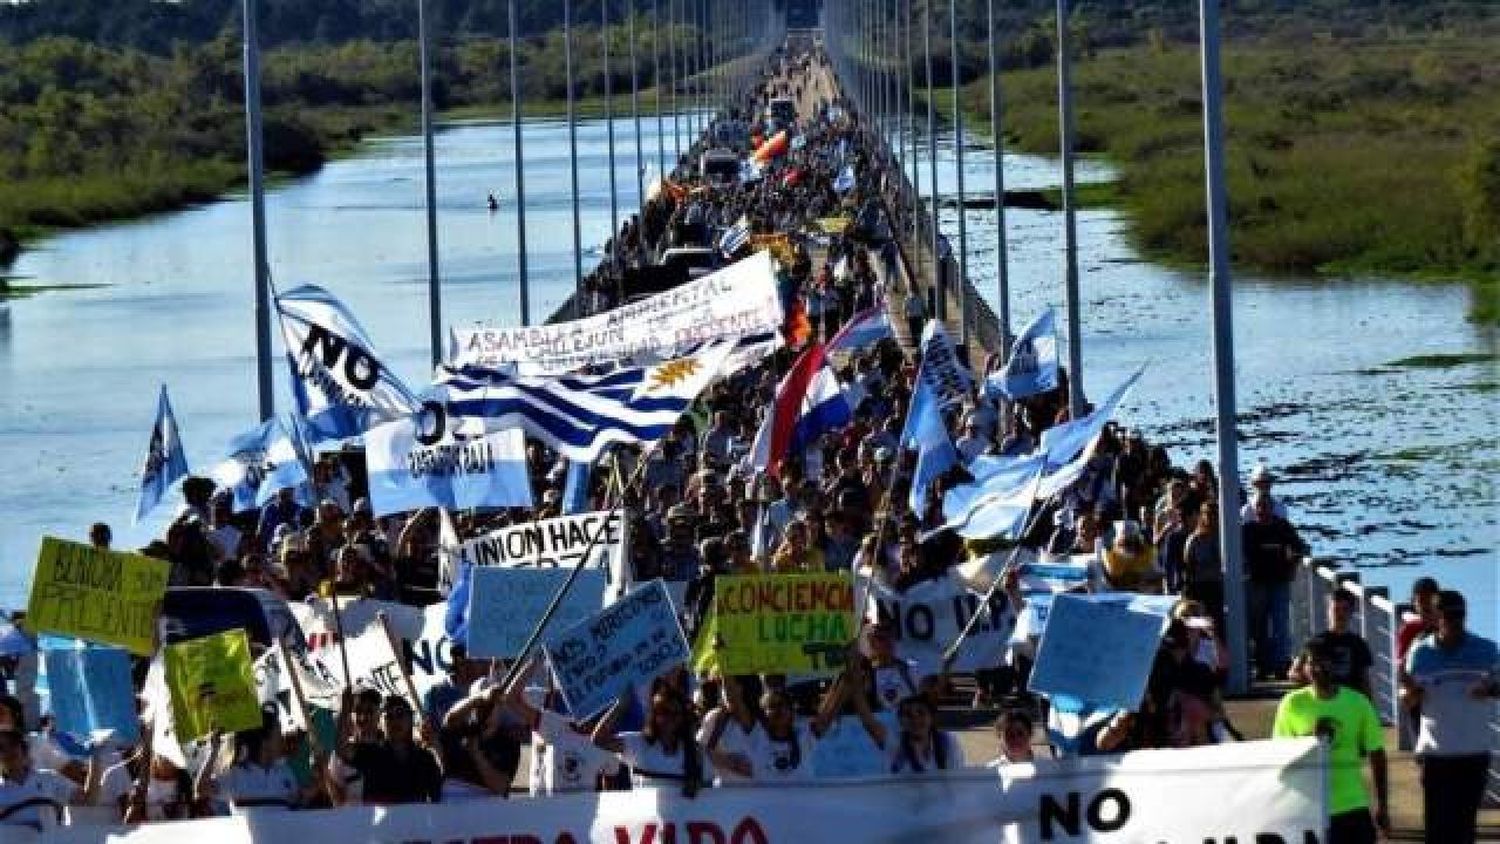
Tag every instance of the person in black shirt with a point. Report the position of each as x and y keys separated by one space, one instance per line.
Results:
x=1272 y=548
x=396 y=770
x=1349 y=655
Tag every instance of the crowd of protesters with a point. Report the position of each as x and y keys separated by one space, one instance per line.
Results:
x=698 y=510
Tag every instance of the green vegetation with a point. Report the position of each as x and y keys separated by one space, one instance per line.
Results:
x=1374 y=155
x=1444 y=361
x=89 y=133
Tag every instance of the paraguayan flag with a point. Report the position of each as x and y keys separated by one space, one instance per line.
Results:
x=165 y=460
x=341 y=385
x=578 y=415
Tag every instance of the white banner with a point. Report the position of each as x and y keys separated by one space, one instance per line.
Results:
x=739 y=301
x=926 y=619
x=1251 y=792
x=555 y=543
x=409 y=470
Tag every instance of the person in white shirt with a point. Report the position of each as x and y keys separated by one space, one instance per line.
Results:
x=563 y=756
x=778 y=746
x=919 y=747
x=1014 y=728
x=35 y=797
x=259 y=779
x=891 y=678
x=665 y=752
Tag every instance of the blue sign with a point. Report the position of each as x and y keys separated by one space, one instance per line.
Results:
x=630 y=643
x=505 y=605
x=90 y=688
x=1100 y=653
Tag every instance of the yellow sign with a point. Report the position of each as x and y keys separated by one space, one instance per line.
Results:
x=783 y=623
x=212 y=681
x=779 y=245
x=704 y=659
x=101 y=596
x=834 y=225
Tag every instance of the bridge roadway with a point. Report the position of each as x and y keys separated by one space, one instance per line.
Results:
x=1252 y=714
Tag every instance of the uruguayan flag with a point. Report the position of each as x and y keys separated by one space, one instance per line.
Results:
x=409 y=469
x=341 y=385
x=260 y=462
x=578 y=415
x=1031 y=367
x=165 y=460
x=735 y=238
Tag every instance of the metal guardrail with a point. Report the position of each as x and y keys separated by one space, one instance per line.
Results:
x=1378 y=619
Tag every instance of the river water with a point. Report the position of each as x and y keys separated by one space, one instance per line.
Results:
x=1388 y=468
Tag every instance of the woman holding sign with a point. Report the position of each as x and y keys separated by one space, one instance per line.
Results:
x=780 y=746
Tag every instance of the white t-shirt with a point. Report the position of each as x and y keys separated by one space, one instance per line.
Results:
x=117 y=784
x=650 y=765
x=249 y=786
x=924 y=763
x=564 y=761
x=732 y=738
x=894 y=683
x=38 y=789
x=772 y=759
x=847 y=750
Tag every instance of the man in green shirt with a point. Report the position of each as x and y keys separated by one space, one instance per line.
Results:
x=1347 y=722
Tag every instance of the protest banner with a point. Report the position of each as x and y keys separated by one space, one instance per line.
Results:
x=631 y=641
x=783 y=623
x=212 y=684
x=90 y=688
x=1099 y=653
x=1247 y=792
x=409 y=470
x=941 y=366
x=737 y=302
x=97 y=595
x=555 y=543
x=504 y=605
x=274 y=684
x=928 y=617
x=315 y=617
x=429 y=655
x=373 y=664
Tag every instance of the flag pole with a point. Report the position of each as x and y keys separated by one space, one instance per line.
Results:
x=434 y=287
x=951 y=653
x=1070 y=222
x=257 y=167
x=298 y=698
x=411 y=687
x=1231 y=549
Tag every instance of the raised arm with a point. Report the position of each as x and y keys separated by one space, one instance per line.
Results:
x=203 y=783
x=832 y=703
x=856 y=690
x=604 y=736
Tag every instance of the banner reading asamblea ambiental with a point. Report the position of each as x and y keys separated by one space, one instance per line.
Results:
x=783 y=623
x=926 y=619
x=554 y=543
x=1268 y=792
x=506 y=603
x=737 y=302
x=96 y=595
x=632 y=641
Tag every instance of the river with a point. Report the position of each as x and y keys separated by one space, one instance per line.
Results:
x=1388 y=468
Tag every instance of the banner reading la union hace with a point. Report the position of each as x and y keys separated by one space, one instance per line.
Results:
x=1269 y=792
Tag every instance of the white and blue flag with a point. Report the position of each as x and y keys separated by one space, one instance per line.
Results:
x=735 y=238
x=998 y=501
x=844 y=182
x=409 y=468
x=165 y=462
x=261 y=461
x=1031 y=368
x=864 y=329
x=341 y=385
x=575 y=497
x=926 y=432
x=1069 y=447
x=576 y=415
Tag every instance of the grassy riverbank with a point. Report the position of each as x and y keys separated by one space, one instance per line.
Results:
x=91 y=134
x=1371 y=156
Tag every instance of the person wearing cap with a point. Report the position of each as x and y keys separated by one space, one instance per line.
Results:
x=1348 y=723
x=1454 y=676
x=1261 y=480
x=395 y=769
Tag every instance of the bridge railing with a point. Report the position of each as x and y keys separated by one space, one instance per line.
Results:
x=1377 y=619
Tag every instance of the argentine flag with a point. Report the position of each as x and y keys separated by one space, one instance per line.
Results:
x=261 y=461
x=165 y=462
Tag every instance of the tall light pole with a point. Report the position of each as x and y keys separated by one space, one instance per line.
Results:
x=257 y=167
x=1070 y=222
x=434 y=285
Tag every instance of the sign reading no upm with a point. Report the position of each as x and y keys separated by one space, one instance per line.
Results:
x=98 y=596
x=632 y=641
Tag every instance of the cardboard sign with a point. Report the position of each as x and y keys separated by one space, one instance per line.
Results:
x=633 y=641
x=212 y=683
x=783 y=623
x=90 y=688
x=98 y=596
x=506 y=604
x=553 y=543
x=1098 y=653
x=926 y=619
